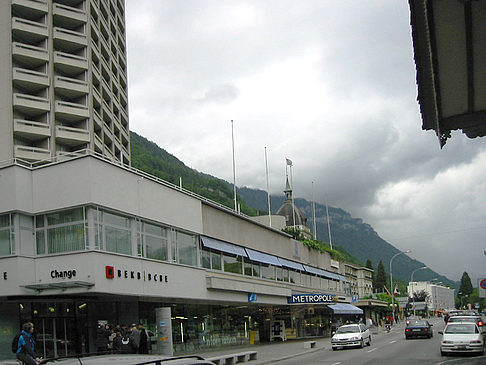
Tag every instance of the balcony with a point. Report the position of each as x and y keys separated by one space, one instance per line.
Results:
x=32 y=131
x=68 y=17
x=98 y=122
x=32 y=153
x=29 y=80
x=69 y=40
x=30 y=9
x=70 y=88
x=72 y=136
x=98 y=144
x=30 y=105
x=70 y=64
x=71 y=112
x=28 y=31
x=28 y=55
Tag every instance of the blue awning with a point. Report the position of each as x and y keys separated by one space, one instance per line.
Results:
x=343 y=308
x=262 y=257
x=291 y=264
x=323 y=273
x=223 y=246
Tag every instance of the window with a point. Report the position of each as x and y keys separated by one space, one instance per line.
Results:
x=267 y=271
x=153 y=242
x=186 y=246
x=112 y=232
x=294 y=277
x=205 y=259
x=216 y=261
x=62 y=231
x=232 y=264
x=6 y=235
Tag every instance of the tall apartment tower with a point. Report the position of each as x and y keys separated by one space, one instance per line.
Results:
x=63 y=79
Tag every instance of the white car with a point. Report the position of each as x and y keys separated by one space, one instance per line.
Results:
x=461 y=337
x=351 y=335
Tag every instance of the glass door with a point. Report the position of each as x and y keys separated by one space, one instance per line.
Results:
x=55 y=337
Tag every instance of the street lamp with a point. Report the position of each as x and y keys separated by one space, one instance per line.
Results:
x=412 y=282
x=391 y=280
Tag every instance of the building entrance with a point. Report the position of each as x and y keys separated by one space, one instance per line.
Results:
x=55 y=337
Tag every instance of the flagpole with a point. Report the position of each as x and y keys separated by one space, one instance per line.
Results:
x=328 y=225
x=268 y=191
x=292 y=192
x=234 y=169
x=314 y=212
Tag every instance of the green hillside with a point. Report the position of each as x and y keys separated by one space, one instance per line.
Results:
x=150 y=158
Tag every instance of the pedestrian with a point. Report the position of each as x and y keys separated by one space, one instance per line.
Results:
x=117 y=341
x=128 y=343
x=143 y=345
x=26 y=346
x=136 y=336
x=102 y=340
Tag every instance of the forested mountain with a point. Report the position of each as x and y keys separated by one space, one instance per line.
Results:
x=351 y=234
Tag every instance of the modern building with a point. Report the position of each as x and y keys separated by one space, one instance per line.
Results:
x=63 y=77
x=439 y=297
x=360 y=280
x=86 y=239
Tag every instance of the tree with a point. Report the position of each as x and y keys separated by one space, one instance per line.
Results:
x=369 y=264
x=380 y=276
x=466 y=287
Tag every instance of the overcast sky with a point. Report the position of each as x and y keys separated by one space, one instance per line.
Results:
x=328 y=84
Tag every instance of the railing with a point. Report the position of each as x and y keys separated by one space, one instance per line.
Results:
x=33 y=26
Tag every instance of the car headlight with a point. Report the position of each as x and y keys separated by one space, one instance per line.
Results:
x=354 y=338
x=475 y=341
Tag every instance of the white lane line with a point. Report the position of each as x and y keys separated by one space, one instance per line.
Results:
x=376 y=348
x=393 y=341
x=336 y=363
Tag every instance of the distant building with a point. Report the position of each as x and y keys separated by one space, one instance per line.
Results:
x=291 y=212
x=439 y=297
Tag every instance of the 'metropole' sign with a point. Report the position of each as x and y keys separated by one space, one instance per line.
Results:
x=311 y=298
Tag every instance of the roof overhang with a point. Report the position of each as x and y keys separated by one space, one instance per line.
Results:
x=60 y=285
x=450 y=57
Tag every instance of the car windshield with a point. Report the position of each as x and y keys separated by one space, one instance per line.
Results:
x=463 y=328
x=348 y=329
x=463 y=319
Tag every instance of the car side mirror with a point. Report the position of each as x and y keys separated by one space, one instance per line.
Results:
x=440 y=333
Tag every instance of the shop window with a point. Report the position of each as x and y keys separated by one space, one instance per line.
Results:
x=232 y=264
x=186 y=248
x=6 y=235
x=62 y=231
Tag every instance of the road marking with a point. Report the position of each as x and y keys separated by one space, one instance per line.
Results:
x=393 y=341
x=376 y=348
x=336 y=363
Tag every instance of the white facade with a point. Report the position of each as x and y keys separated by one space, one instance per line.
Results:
x=439 y=297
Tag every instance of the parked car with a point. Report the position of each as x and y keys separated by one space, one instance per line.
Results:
x=351 y=335
x=129 y=359
x=419 y=328
x=461 y=337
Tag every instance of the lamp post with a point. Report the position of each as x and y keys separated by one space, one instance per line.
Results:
x=391 y=281
x=412 y=282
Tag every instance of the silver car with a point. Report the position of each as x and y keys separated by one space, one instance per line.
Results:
x=461 y=337
x=351 y=335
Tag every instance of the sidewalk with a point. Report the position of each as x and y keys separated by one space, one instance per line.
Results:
x=274 y=351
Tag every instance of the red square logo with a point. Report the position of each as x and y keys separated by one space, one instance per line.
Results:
x=110 y=272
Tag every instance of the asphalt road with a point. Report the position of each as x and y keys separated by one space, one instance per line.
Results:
x=389 y=348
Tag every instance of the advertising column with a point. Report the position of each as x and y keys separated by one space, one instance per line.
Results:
x=164 y=331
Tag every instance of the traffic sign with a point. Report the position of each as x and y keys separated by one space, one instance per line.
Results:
x=482 y=287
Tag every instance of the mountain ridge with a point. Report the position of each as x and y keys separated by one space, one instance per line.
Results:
x=351 y=234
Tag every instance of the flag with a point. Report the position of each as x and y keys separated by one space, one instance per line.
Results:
x=396 y=291
x=289 y=162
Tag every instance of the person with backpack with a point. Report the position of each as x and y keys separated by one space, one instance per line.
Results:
x=26 y=346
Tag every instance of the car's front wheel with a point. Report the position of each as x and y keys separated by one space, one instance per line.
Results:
x=369 y=341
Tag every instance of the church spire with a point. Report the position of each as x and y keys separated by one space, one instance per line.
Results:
x=288 y=190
